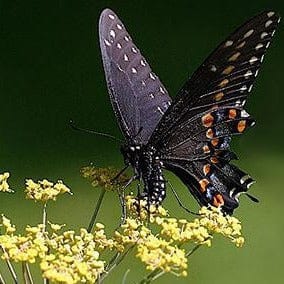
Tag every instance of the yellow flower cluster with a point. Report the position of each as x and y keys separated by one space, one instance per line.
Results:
x=22 y=248
x=103 y=177
x=45 y=190
x=156 y=252
x=64 y=257
x=4 y=186
x=163 y=250
x=72 y=258
x=162 y=243
x=227 y=225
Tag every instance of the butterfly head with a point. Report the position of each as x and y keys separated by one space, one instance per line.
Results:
x=131 y=154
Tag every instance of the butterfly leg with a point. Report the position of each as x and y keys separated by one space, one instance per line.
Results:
x=179 y=201
x=119 y=173
x=121 y=195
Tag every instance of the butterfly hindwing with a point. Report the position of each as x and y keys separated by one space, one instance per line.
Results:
x=138 y=97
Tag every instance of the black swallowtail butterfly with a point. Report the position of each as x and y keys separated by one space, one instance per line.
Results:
x=190 y=135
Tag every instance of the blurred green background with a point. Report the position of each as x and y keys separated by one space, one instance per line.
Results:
x=51 y=71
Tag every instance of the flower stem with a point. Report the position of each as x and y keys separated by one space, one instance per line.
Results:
x=2 y=281
x=11 y=268
x=95 y=214
x=114 y=262
x=26 y=273
x=44 y=216
x=44 y=222
x=193 y=250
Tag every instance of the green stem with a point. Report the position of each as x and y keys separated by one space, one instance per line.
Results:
x=27 y=273
x=193 y=250
x=116 y=260
x=95 y=214
x=125 y=276
x=11 y=268
x=44 y=222
x=44 y=216
x=148 y=278
x=2 y=281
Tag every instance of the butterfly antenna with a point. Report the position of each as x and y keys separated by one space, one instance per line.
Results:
x=75 y=127
x=252 y=198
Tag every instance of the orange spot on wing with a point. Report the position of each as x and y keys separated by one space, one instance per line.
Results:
x=234 y=57
x=203 y=184
x=215 y=142
x=218 y=200
x=219 y=96
x=224 y=83
x=241 y=125
x=242 y=44
x=214 y=160
x=228 y=70
x=209 y=133
x=206 y=149
x=232 y=113
x=206 y=169
x=207 y=120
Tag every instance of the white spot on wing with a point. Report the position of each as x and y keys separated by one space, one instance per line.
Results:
x=270 y=14
x=228 y=43
x=250 y=184
x=160 y=110
x=151 y=95
x=127 y=38
x=143 y=63
x=268 y=23
x=248 y=74
x=244 y=178
x=125 y=57
x=253 y=59
x=249 y=33
x=232 y=192
x=119 y=26
x=112 y=33
x=213 y=68
x=244 y=113
x=133 y=70
x=261 y=58
x=118 y=45
x=263 y=35
x=107 y=42
x=111 y=16
x=134 y=49
x=258 y=46
x=152 y=76
x=162 y=90
x=243 y=88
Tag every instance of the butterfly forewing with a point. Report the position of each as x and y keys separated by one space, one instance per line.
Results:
x=194 y=135
x=138 y=97
x=224 y=79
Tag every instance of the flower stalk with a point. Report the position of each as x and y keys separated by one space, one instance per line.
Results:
x=96 y=211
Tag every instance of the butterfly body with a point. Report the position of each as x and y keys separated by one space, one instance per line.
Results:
x=148 y=167
x=190 y=135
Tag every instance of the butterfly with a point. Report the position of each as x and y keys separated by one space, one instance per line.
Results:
x=190 y=135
